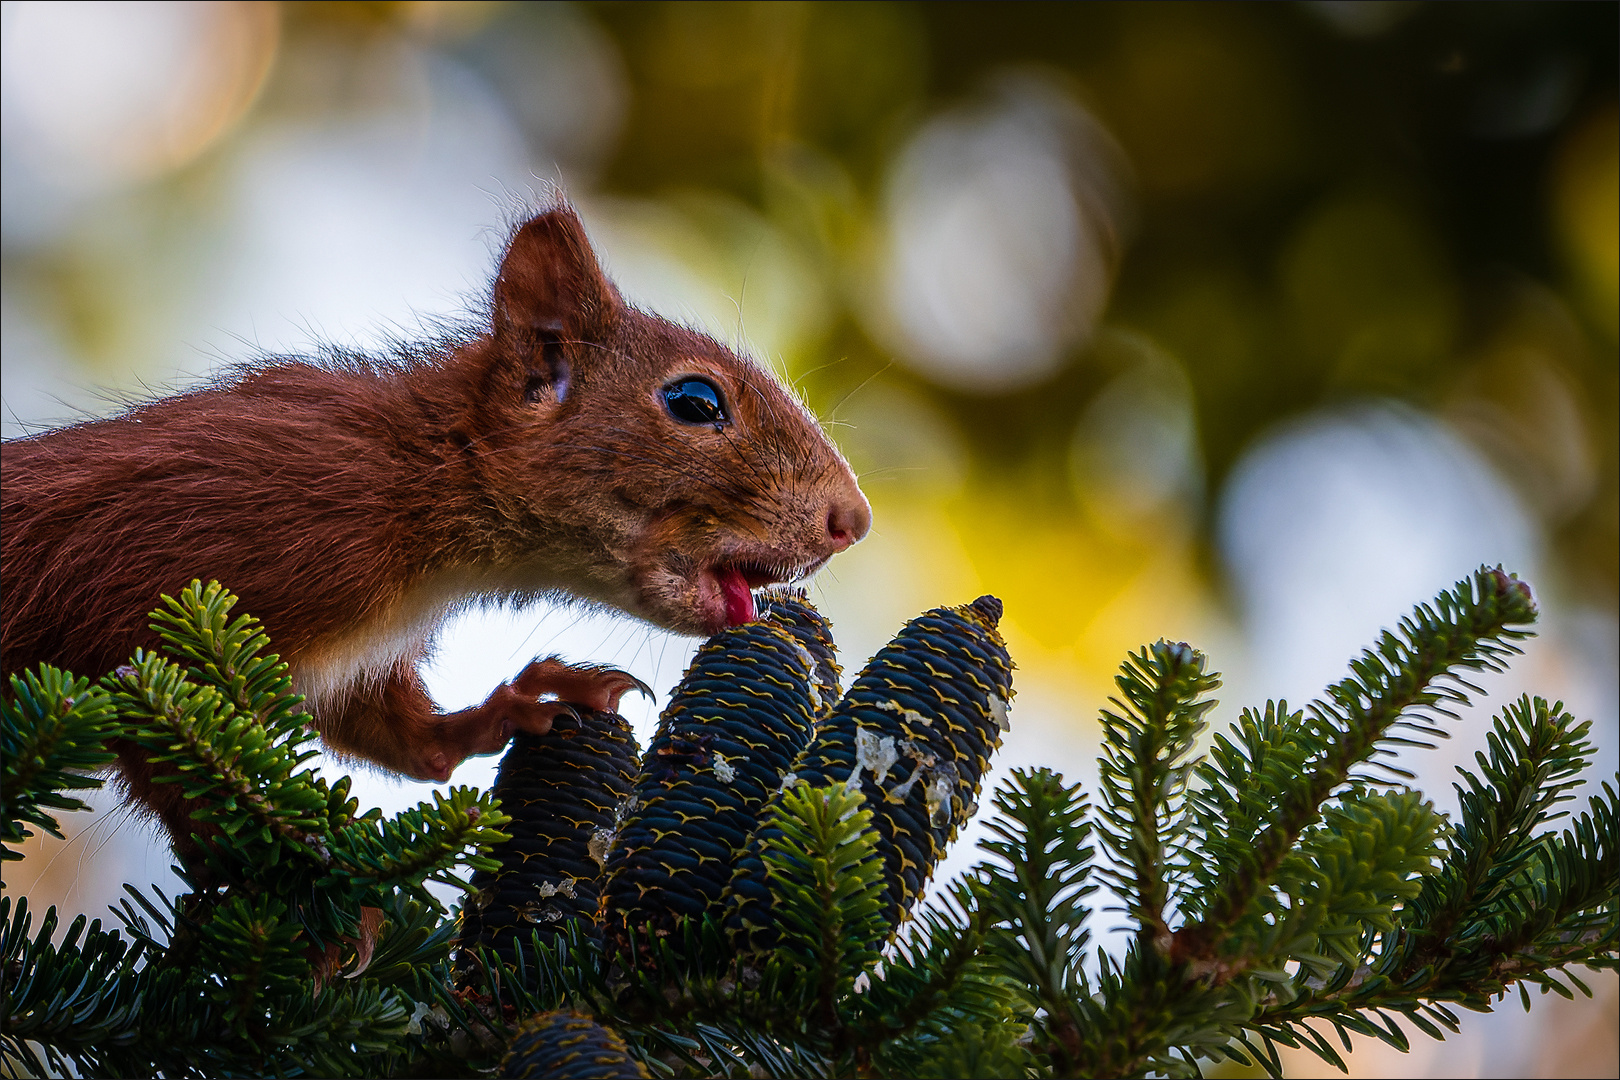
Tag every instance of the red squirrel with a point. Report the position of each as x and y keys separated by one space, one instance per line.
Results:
x=576 y=446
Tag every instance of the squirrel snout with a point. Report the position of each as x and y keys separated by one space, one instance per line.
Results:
x=848 y=521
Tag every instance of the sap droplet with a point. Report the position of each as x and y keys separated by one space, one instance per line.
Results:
x=811 y=673
x=565 y=887
x=998 y=709
x=600 y=843
x=422 y=1012
x=624 y=809
x=899 y=794
x=874 y=753
x=940 y=793
x=907 y=714
x=539 y=913
x=920 y=754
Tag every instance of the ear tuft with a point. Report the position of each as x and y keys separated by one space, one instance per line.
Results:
x=550 y=281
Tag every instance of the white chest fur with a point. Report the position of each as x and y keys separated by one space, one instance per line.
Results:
x=398 y=634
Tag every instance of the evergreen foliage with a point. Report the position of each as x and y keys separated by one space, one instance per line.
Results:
x=54 y=732
x=1284 y=876
x=238 y=977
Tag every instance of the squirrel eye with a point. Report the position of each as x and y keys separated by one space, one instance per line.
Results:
x=693 y=400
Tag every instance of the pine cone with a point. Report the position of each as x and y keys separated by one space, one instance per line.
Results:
x=743 y=712
x=563 y=790
x=933 y=702
x=564 y=1045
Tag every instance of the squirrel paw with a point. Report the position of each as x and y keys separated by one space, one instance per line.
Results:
x=511 y=708
x=485 y=729
x=592 y=685
x=514 y=707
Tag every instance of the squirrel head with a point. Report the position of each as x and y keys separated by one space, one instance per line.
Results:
x=669 y=475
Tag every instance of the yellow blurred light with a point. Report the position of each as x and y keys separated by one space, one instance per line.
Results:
x=912 y=560
x=1586 y=214
x=1081 y=599
x=116 y=93
x=1052 y=572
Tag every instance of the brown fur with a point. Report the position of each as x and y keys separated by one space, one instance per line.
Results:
x=353 y=505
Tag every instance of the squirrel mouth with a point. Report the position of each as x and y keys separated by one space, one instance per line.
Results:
x=737 y=581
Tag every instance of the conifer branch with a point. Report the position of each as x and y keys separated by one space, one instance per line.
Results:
x=227 y=761
x=256 y=946
x=826 y=882
x=1535 y=753
x=423 y=843
x=1143 y=772
x=1311 y=896
x=937 y=972
x=60 y=998
x=225 y=655
x=1035 y=886
x=1401 y=682
x=53 y=729
x=1507 y=906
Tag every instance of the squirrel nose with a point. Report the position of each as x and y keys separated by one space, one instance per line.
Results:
x=848 y=521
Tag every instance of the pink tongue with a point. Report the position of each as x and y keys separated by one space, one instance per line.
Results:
x=739 y=601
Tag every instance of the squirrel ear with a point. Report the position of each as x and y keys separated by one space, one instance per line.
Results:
x=549 y=279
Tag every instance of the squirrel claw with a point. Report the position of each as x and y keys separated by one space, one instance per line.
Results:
x=327 y=964
x=592 y=685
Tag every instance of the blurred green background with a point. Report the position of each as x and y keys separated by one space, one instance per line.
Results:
x=1251 y=324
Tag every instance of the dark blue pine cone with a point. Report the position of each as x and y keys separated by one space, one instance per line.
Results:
x=793 y=610
x=564 y=1045
x=563 y=790
x=915 y=732
x=742 y=714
